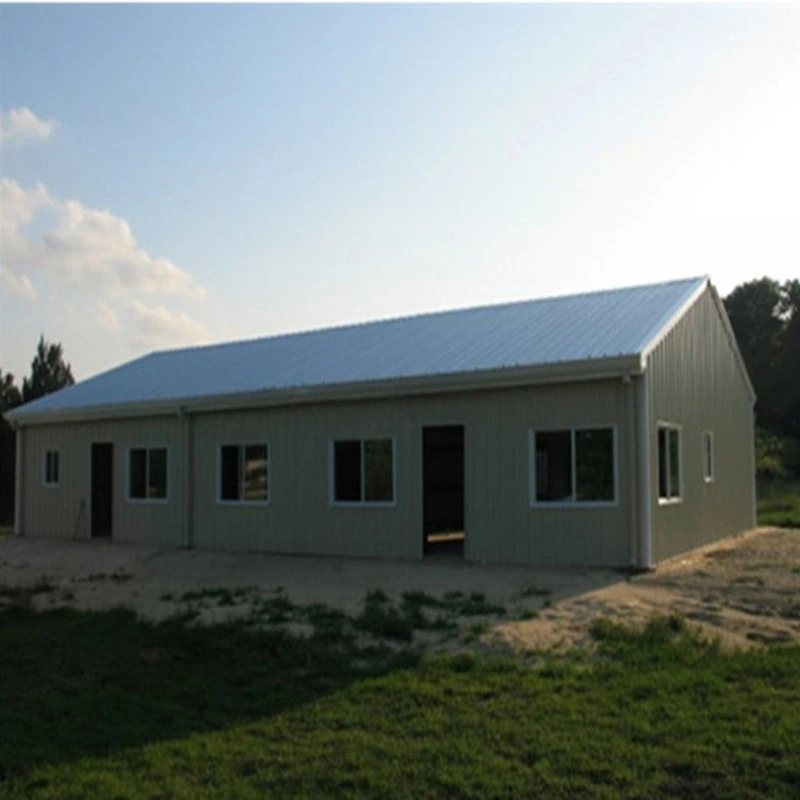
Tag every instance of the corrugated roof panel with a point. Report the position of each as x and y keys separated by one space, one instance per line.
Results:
x=596 y=325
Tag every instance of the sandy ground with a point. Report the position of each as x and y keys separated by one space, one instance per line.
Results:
x=745 y=590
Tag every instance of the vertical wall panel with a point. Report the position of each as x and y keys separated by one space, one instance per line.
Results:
x=501 y=525
x=63 y=512
x=694 y=381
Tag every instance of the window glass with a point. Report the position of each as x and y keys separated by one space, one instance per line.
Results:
x=51 y=467
x=347 y=471
x=157 y=474
x=553 y=466
x=594 y=465
x=663 y=484
x=137 y=472
x=229 y=473
x=674 y=464
x=669 y=463
x=708 y=456
x=255 y=472
x=378 y=479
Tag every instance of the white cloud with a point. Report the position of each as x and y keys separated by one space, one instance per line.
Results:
x=155 y=327
x=107 y=318
x=20 y=124
x=17 y=285
x=88 y=249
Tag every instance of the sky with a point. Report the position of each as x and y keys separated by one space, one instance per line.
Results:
x=175 y=175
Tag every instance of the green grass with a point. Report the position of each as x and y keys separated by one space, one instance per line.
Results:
x=105 y=705
x=779 y=503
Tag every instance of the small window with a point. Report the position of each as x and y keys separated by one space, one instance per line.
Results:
x=574 y=466
x=147 y=473
x=363 y=471
x=708 y=456
x=51 y=466
x=669 y=463
x=244 y=473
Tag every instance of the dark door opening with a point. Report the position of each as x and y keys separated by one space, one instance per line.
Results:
x=443 y=489
x=102 y=488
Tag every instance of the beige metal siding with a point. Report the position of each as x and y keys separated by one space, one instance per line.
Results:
x=63 y=512
x=501 y=526
x=694 y=381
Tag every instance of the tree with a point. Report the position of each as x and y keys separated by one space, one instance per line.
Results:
x=766 y=319
x=10 y=397
x=755 y=312
x=49 y=372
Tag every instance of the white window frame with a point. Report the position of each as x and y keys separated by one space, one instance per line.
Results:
x=146 y=500
x=242 y=502
x=670 y=426
x=45 y=482
x=708 y=475
x=332 y=501
x=574 y=502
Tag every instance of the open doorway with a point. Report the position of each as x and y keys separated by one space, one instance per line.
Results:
x=443 y=489
x=102 y=488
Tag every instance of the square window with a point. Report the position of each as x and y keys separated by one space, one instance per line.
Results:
x=147 y=473
x=363 y=471
x=244 y=473
x=575 y=466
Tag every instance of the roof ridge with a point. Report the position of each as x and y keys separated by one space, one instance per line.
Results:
x=418 y=315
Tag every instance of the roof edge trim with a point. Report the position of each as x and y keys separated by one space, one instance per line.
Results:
x=659 y=333
x=613 y=367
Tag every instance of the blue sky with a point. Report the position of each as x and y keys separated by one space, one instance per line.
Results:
x=181 y=174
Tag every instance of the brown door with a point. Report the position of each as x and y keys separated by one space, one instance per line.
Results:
x=102 y=488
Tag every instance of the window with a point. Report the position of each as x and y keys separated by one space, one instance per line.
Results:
x=244 y=473
x=669 y=463
x=147 y=473
x=574 y=466
x=708 y=456
x=363 y=471
x=50 y=477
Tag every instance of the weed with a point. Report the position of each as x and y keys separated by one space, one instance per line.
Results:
x=534 y=591
x=528 y=613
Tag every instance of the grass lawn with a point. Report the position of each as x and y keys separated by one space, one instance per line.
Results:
x=779 y=503
x=105 y=705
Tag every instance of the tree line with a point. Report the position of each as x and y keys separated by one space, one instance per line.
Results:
x=765 y=316
x=49 y=373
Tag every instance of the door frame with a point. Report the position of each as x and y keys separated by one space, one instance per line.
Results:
x=442 y=424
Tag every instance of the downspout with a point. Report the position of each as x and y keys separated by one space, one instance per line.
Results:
x=18 y=470
x=644 y=482
x=188 y=483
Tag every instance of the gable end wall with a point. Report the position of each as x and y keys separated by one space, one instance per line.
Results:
x=694 y=380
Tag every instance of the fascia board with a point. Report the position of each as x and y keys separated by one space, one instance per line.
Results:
x=589 y=370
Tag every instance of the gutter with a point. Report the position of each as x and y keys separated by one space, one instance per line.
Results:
x=612 y=368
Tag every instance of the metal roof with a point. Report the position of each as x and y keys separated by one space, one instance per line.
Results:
x=531 y=333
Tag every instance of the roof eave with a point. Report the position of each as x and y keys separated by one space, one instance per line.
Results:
x=612 y=367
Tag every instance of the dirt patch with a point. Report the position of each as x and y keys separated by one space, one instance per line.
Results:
x=744 y=592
